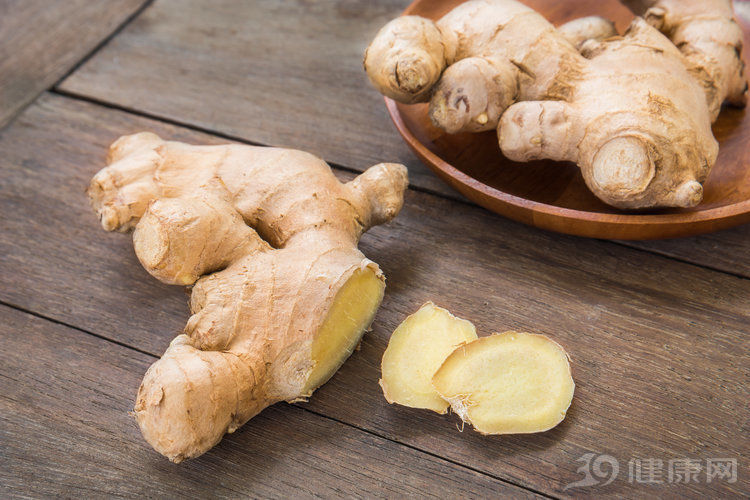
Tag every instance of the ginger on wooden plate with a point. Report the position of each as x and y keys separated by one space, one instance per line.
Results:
x=281 y=295
x=507 y=383
x=633 y=111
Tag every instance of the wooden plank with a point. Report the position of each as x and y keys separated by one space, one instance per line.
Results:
x=65 y=432
x=277 y=73
x=727 y=251
x=41 y=40
x=659 y=347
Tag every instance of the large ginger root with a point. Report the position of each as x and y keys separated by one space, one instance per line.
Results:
x=506 y=383
x=281 y=295
x=416 y=350
x=633 y=111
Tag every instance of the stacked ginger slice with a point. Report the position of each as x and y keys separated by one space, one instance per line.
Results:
x=506 y=383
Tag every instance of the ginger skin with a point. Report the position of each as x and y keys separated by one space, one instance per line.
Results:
x=709 y=37
x=633 y=111
x=581 y=30
x=281 y=295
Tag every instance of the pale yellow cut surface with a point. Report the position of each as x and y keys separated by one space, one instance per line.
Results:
x=351 y=313
x=416 y=350
x=508 y=383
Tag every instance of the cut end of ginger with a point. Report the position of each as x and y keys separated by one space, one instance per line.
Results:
x=351 y=313
x=416 y=350
x=508 y=383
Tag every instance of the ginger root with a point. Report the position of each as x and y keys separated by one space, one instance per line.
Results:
x=280 y=296
x=416 y=350
x=506 y=383
x=633 y=111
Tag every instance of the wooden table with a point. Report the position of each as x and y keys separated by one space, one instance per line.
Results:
x=658 y=332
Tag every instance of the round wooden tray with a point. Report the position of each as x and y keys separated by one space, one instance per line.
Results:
x=552 y=195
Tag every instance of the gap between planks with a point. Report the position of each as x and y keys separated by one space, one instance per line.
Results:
x=102 y=43
x=298 y=405
x=152 y=116
x=86 y=57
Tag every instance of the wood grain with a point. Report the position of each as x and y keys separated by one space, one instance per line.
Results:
x=65 y=432
x=659 y=347
x=41 y=40
x=284 y=73
x=727 y=251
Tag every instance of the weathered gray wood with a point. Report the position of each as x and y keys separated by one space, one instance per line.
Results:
x=727 y=251
x=283 y=73
x=659 y=347
x=41 y=40
x=65 y=432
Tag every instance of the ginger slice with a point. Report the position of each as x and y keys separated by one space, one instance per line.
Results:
x=507 y=383
x=416 y=350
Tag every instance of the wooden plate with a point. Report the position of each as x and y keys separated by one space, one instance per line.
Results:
x=552 y=195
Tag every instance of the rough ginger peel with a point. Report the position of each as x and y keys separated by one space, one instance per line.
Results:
x=633 y=111
x=280 y=296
